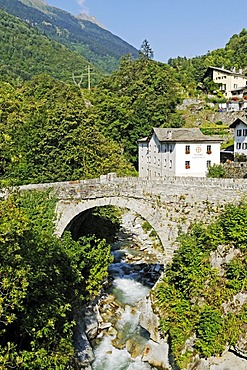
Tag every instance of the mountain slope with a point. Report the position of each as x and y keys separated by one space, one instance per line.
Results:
x=96 y=44
x=26 y=52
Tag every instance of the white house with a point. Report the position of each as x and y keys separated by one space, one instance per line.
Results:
x=231 y=82
x=177 y=152
x=240 y=136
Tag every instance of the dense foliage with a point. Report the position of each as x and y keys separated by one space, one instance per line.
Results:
x=195 y=300
x=43 y=281
x=141 y=95
x=94 y=43
x=49 y=134
x=216 y=171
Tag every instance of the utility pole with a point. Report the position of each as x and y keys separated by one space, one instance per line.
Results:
x=88 y=74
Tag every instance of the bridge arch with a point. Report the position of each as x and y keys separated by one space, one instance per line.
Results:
x=68 y=212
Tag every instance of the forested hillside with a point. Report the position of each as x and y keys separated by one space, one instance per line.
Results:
x=190 y=71
x=26 y=52
x=99 y=46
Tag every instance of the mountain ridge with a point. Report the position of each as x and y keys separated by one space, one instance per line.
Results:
x=98 y=45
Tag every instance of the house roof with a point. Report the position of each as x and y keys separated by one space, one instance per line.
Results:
x=223 y=70
x=237 y=121
x=183 y=135
x=143 y=140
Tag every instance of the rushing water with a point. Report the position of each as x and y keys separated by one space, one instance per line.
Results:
x=128 y=291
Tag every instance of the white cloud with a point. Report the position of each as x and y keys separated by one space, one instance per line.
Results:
x=83 y=6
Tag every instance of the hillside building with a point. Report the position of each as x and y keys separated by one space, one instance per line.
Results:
x=177 y=152
x=240 y=136
x=231 y=82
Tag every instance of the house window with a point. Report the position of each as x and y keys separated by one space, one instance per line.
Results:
x=238 y=146
x=158 y=148
x=187 y=165
x=208 y=164
x=154 y=160
x=158 y=162
x=239 y=132
x=245 y=132
x=170 y=163
x=187 y=149
x=171 y=148
x=244 y=146
x=209 y=149
x=165 y=163
x=235 y=86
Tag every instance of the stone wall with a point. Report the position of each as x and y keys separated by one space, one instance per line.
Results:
x=236 y=170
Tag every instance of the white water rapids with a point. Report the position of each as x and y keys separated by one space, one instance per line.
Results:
x=128 y=292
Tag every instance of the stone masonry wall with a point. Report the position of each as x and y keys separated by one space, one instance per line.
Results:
x=236 y=170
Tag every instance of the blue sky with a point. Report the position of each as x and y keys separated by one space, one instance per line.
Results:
x=172 y=27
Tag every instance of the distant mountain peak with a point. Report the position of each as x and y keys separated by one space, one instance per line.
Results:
x=92 y=19
x=35 y=3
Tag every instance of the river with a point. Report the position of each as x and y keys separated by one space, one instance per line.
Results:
x=121 y=345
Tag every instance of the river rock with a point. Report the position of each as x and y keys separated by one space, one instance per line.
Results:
x=148 y=320
x=83 y=349
x=91 y=325
x=156 y=354
x=228 y=361
x=135 y=348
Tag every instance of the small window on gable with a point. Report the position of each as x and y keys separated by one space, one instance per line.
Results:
x=238 y=146
x=245 y=132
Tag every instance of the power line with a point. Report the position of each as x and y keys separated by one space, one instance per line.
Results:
x=88 y=74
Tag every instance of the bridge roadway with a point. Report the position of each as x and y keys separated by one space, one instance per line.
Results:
x=169 y=204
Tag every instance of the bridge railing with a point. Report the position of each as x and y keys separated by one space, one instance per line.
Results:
x=201 y=182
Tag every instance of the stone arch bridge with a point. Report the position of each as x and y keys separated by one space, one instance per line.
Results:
x=169 y=204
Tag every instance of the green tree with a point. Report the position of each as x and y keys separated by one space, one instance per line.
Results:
x=217 y=171
x=146 y=51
